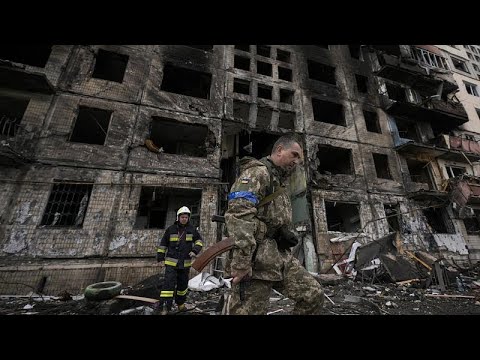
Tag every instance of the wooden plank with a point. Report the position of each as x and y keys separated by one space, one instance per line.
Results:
x=450 y=296
x=139 y=298
x=439 y=273
x=420 y=261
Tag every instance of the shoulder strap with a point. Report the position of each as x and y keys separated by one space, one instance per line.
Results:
x=270 y=197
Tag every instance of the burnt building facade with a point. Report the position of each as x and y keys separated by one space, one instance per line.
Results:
x=100 y=145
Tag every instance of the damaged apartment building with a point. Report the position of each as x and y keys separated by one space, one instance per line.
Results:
x=101 y=144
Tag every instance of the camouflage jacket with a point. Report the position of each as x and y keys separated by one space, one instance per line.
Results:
x=253 y=227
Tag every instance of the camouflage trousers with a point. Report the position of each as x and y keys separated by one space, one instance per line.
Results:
x=297 y=284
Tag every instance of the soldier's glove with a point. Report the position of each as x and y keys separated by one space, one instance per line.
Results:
x=160 y=257
x=286 y=238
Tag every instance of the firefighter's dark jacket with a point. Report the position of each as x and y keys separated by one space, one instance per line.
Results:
x=176 y=244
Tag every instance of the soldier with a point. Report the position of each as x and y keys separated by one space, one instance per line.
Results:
x=180 y=243
x=259 y=218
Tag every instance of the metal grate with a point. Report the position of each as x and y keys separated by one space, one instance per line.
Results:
x=67 y=204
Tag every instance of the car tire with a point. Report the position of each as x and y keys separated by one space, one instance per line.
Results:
x=103 y=290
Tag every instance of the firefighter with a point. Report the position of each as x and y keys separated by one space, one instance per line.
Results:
x=180 y=244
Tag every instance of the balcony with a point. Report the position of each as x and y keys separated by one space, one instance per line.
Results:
x=445 y=114
x=16 y=146
x=464 y=191
x=17 y=78
x=411 y=68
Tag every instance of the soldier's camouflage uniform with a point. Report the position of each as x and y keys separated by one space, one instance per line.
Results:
x=251 y=227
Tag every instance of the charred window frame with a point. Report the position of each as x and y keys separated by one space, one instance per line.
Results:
x=328 y=112
x=454 y=171
x=158 y=205
x=392 y=213
x=439 y=220
x=91 y=126
x=188 y=82
x=334 y=160
x=11 y=114
x=110 y=66
x=343 y=217
x=382 y=166
x=67 y=204
x=321 y=72
x=420 y=173
x=472 y=225
x=180 y=138
x=372 y=122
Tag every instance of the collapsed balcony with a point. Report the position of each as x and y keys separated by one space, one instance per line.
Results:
x=419 y=68
x=20 y=79
x=446 y=147
x=445 y=114
x=464 y=191
x=15 y=151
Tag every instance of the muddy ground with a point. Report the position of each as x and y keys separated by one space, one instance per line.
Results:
x=343 y=297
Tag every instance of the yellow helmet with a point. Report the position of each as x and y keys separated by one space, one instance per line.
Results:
x=183 y=210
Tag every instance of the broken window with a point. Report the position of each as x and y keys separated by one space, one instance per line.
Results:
x=263 y=50
x=241 y=62
x=460 y=65
x=286 y=96
x=354 y=51
x=186 y=82
x=371 y=121
x=439 y=220
x=284 y=73
x=243 y=47
x=334 y=160
x=343 y=217
x=11 y=114
x=158 y=205
x=91 y=126
x=321 y=72
x=477 y=69
x=241 y=86
x=428 y=58
x=256 y=143
x=283 y=55
x=471 y=88
x=34 y=55
x=472 y=225
x=264 y=68
x=286 y=120
x=381 y=166
x=67 y=204
x=396 y=92
x=264 y=118
x=181 y=138
x=110 y=66
x=362 y=83
x=454 y=171
x=264 y=91
x=407 y=130
x=241 y=110
x=419 y=172
x=392 y=214
x=328 y=112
